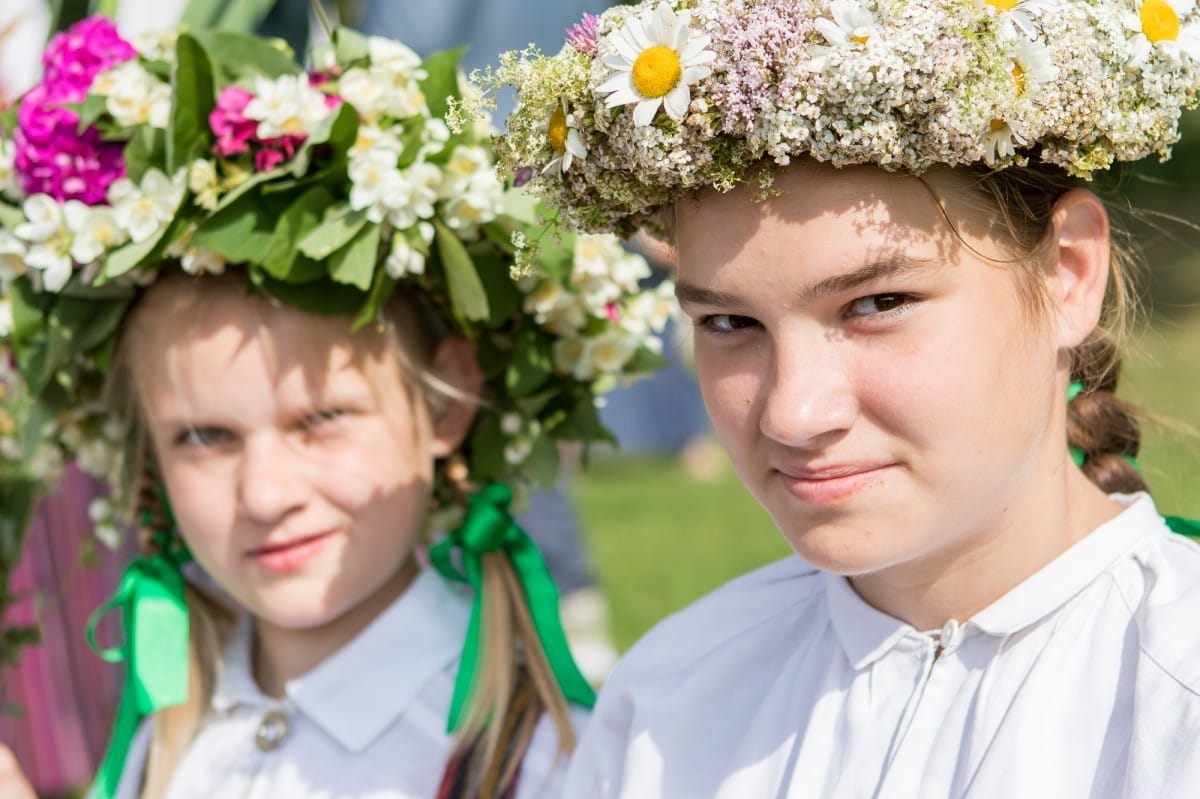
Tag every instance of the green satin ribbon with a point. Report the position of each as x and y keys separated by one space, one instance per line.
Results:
x=488 y=527
x=155 y=651
x=1178 y=524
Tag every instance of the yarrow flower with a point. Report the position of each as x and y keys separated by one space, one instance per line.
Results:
x=655 y=59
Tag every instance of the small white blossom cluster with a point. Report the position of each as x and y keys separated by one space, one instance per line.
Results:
x=674 y=95
x=56 y=238
x=134 y=96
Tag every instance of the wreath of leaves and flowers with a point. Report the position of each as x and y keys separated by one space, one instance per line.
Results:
x=331 y=187
x=650 y=101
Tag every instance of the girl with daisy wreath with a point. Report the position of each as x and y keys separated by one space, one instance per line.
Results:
x=298 y=323
x=908 y=309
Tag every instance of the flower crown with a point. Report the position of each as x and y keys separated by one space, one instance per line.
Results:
x=650 y=101
x=332 y=188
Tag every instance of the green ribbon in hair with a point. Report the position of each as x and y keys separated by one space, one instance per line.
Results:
x=488 y=527
x=1177 y=524
x=155 y=651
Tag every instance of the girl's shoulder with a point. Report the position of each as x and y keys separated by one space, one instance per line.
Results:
x=727 y=621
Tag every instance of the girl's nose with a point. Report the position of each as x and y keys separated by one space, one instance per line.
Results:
x=270 y=483
x=809 y=396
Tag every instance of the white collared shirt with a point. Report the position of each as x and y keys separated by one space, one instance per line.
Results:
x=369 y=721
x=1082 y=681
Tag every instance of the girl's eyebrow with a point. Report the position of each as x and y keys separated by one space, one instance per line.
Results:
x=892 y=267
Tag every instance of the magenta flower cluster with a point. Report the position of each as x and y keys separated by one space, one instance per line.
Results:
x=236 y=132
x=52 y=156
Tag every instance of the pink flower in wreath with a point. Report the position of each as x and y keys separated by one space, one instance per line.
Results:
x=91 y=46
x=229 y=122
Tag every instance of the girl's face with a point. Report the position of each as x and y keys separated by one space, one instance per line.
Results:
x=297 y=461
x=884 y=391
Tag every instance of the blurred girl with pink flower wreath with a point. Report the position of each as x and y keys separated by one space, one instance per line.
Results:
x=908 y=306
x=318 y=349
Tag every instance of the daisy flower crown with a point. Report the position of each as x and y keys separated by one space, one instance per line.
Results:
x=331 y=188
x=649 y=101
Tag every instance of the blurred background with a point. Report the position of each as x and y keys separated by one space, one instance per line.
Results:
x=653 y=526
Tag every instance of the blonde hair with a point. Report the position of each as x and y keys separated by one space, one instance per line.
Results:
x=516 y=685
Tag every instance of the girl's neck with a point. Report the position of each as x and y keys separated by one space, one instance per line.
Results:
x=281 y=654
x=960 y=581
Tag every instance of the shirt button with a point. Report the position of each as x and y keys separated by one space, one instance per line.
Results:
x=950 y=634
x=272 y=731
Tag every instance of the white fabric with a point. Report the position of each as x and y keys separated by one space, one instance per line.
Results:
x=370 y=721
x=1081 y=682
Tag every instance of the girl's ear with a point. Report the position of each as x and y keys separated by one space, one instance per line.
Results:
x=1079 y=265
x=456 y=365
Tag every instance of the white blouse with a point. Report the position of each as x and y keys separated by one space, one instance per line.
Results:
x=368 y=722
x=1082 y=681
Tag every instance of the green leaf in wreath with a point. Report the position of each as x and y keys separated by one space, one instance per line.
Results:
x=147 y=148
x=441 y=81
x=241 y=232
x=193 y=97
x=532 y=363
x=349 y=46
x=542 y=463
x=90 y=110
x=354 y=264
x=10 y=216
x=381 y=290
x=339 y=131
x=282 y=254
x=332 y=234
x=241 y=57
x=466 y=290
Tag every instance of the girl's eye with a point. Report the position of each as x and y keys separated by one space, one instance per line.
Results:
x=323 y=416
x=877 y=304
x=203 y=437
x=723 y=323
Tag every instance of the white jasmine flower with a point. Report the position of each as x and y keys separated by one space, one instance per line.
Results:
x=650 y=311
x=133 y=96
x=6 y=317
x=55 y=267
x=379 y=91
x=395 y=56
x=373 y=137
x=204 y=183
x=202 y=261
x=564 y=140
x=286 y=106
x=44 y=219
x=405 y=259
x=1160 y=24
x=511 y=424
x=469 y=184
x=372 y=175
x=561 y=312
x=612 y=350
x=95 y=229
x=12 y=258
x=573 y=356
x=144 y=210
x=655 y=59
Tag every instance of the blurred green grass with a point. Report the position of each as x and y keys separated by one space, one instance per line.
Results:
x=662 y=539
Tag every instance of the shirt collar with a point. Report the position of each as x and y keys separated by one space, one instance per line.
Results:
x=360 y=690
x=867 y=634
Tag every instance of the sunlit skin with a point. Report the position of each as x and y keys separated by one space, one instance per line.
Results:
x=887 y=393
x=297 y=460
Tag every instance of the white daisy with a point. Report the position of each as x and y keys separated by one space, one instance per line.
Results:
x=655 y=60
x=1023 y=14
x=564 y=140
x=852 y=26
x=1031 y=65
x=1159 y=24
x=1001 y=141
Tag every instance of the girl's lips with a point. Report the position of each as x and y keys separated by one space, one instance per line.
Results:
x=830 y=486
x=289 y=556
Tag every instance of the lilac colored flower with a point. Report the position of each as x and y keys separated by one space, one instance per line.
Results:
x=582 y=35
x=53 y=158
x=229 y=122
x=91 y=46
x=522 y=175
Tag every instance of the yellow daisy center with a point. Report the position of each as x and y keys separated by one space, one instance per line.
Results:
x=1003 y=5
x=1019 y=76
x=1159 y=21
x=556 y=131
x=657 y=71
x=997 y=125
x=859 y=39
